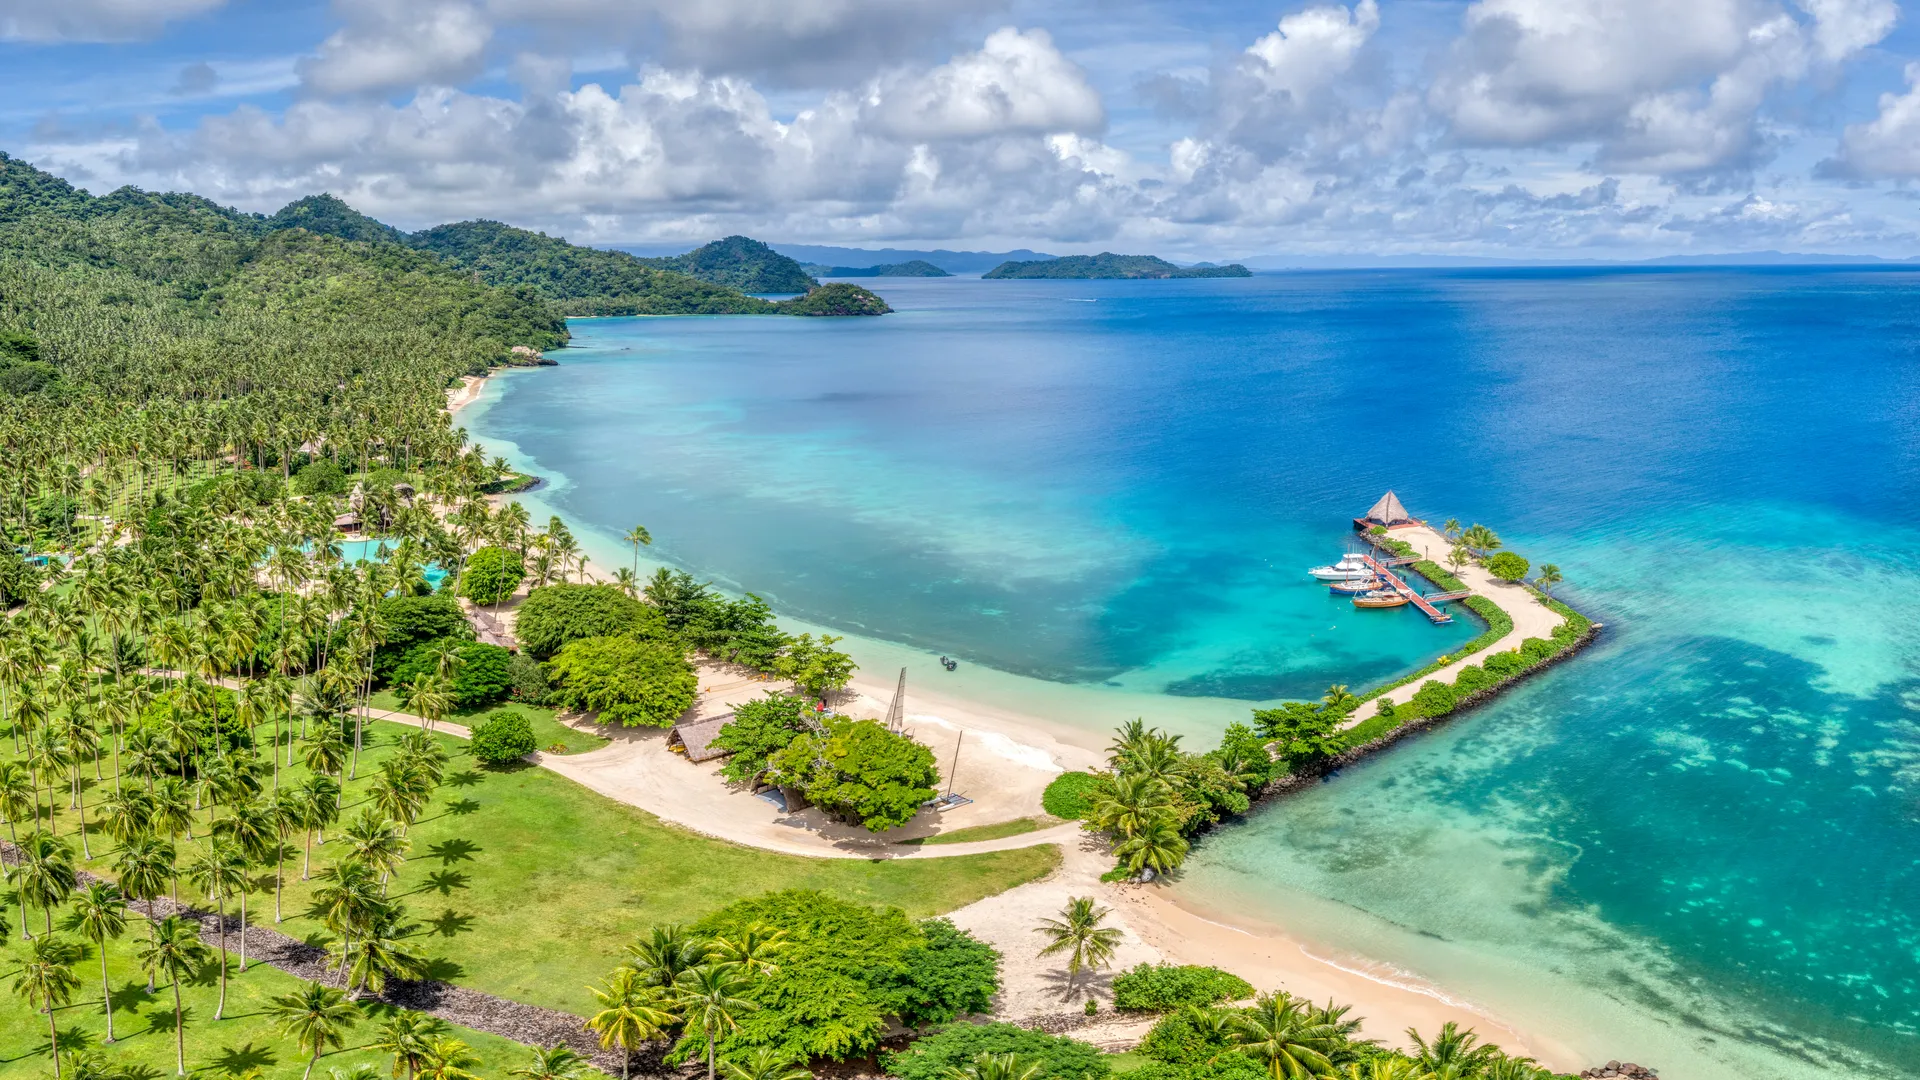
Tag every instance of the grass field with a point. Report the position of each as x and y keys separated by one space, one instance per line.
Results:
x=995 y=831
x=527 y=885
x=143 y=1026
x=547 y=731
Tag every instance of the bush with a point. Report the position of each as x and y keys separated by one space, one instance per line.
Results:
x=859 y=772
x=527 y=679
x=322 y=477
x=501 y=737
x=554 y=615
x=1537 y=649
x=1507 y=566
x=1059 y=1058
x=1504 y=664
x=482 y=678
x=629 y=682
x=1433 y=699
x=1469 y=679
x=1177 y=1040
x=491 y=575
x=1166 y=987
x=1070 y=795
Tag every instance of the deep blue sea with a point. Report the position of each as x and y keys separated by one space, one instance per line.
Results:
x=1696 y=846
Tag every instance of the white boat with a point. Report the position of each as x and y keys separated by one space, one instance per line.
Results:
x=1349 y=568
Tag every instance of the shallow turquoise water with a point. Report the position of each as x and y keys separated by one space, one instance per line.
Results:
x=1696 y=845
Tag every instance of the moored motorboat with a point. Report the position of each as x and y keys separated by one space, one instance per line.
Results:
x=1382 y=598
x=1356 y=586
x=1349 y=568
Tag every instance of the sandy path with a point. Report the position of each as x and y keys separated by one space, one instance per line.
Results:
x=1531 y=618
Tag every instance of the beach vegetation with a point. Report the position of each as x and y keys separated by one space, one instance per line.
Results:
x=1069 y=796
x=1434 y=698
x=1299 y=732
x=477 y=673
x=938 y=1056
x=1167 y=987
x=760 y=729
x=814 y=665
x=1507 y=566
x=1079 y=934
x=501 y=737
x=554 y=615
x=858 y=771
x=410 y=621
x=527 y=680
x=491 y=575
x=1548 y=577
x=625 y=680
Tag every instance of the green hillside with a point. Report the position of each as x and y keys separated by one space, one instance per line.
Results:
x=740 y=263
x=330 y=216
x=910 y=268
x=1108 y=265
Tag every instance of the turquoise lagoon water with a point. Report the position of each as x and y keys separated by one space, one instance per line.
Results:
x=1697 y=845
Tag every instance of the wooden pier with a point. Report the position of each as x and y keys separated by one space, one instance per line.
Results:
x=1393 y=581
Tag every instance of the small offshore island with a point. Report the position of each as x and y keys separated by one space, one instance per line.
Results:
x=365 y=766
x=1108 y=265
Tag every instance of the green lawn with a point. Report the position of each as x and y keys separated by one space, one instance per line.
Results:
x=995 y=831
x=143 y=1026
x=547 y=731
x=528 y=885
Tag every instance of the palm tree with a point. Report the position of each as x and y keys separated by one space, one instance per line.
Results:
x=637 y=536
x=1129 y=803
x=1457 y=557
x=448 y=1059
x=666 y=952
x=1156 y=845
x=997 y=1067
x=1281 y=1033
x=631 y=1013
x=43 y=874
x=1388 y=1068
x=1078 y=933
x=1452 y=1052
x=380 y=952
x=627 y=583
x=219 y=870
x=316 y=1017
x=560 y=1062
x=1451 y=529
x=407 y=1035
x=709 y=1000
x=100 y=916
x=47 y=981
x=427 y=696
x=766 y=1063
x=253 y=830
x=753 y=949
x=176 y=953
x=1549 y=577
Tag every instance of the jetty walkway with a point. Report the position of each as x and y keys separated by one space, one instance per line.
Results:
x=1531 y=618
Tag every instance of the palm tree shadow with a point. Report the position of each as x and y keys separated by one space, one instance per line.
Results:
x=465 y=779
x=451 y=922
x=129 y=996
x=1084 y=985
x=236 y=1060
x=453 y=851
x=160 y=1021
x=442 y=882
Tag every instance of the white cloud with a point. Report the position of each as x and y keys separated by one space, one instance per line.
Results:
x=93 y=20
x=399 y=45
x=1016 y=82
x=1888 y=146
x=1312 y=48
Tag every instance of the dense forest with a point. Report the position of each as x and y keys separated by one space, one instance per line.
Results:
x=1108 y=265
x=740 y=263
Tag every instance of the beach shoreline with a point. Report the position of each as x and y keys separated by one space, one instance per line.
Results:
x=1166 y=924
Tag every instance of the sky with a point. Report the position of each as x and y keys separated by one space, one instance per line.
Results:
x=1607 y=129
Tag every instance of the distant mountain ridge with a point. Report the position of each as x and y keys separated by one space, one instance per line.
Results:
x=953 y=262
x=1108 y=265
x=911 y=268
x=711 y=280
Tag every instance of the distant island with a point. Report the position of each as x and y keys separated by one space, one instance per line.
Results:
x=1108 y=265
x=912 y=268
x=715 y=279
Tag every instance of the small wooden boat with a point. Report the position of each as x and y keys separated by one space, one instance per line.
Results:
x=1355 y=588
x=1381 y=598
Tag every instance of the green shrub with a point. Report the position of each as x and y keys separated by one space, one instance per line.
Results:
x=1504 y=664
x=491 y=575
x=628 y=682
x=527 y=679
x=1537 y=649
x=1177 y=1040
x=1507 y=566
x=1070 y=795
x=933 y=1057
x=1469 y=679
x=554 y=615
x=482 y=678
x=1165 y=987
x=501 y=737
x=1433 y=699
x=322 y=477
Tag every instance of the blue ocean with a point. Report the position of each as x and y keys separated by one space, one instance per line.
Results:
x=1697 y=845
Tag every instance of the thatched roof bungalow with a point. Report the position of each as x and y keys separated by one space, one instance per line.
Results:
x=695 y=738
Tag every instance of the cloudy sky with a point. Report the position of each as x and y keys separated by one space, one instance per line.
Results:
x=1199 y=128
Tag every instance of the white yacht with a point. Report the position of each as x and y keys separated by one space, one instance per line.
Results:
x=1349 y=568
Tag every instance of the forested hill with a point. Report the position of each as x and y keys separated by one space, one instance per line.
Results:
x=1108 y=265
x=327 y=214
x=741 y=263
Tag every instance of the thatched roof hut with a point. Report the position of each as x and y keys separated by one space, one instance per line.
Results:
x=1387 y=512
x=695 y=738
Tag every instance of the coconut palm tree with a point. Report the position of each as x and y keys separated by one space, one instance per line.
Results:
x=448 y=1059
x=1155 y=845
x=316 y=1017
x=1549 y=577
x=381 y=952
x=753 y=948
x=1451 y=529
x=219 y=870
x=46 y=980
x=100 y=916
x=44 y=874
x=428 y=696
x=407 y=1036
x=631 y=1013
x=175 y=953
x=1452 y=1052
x=1280 y=1032
x=665 y=953
x=1078 y=933
x=997 y=1067
x=637 y=536
x=557 y=1062
x=709 y=1001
